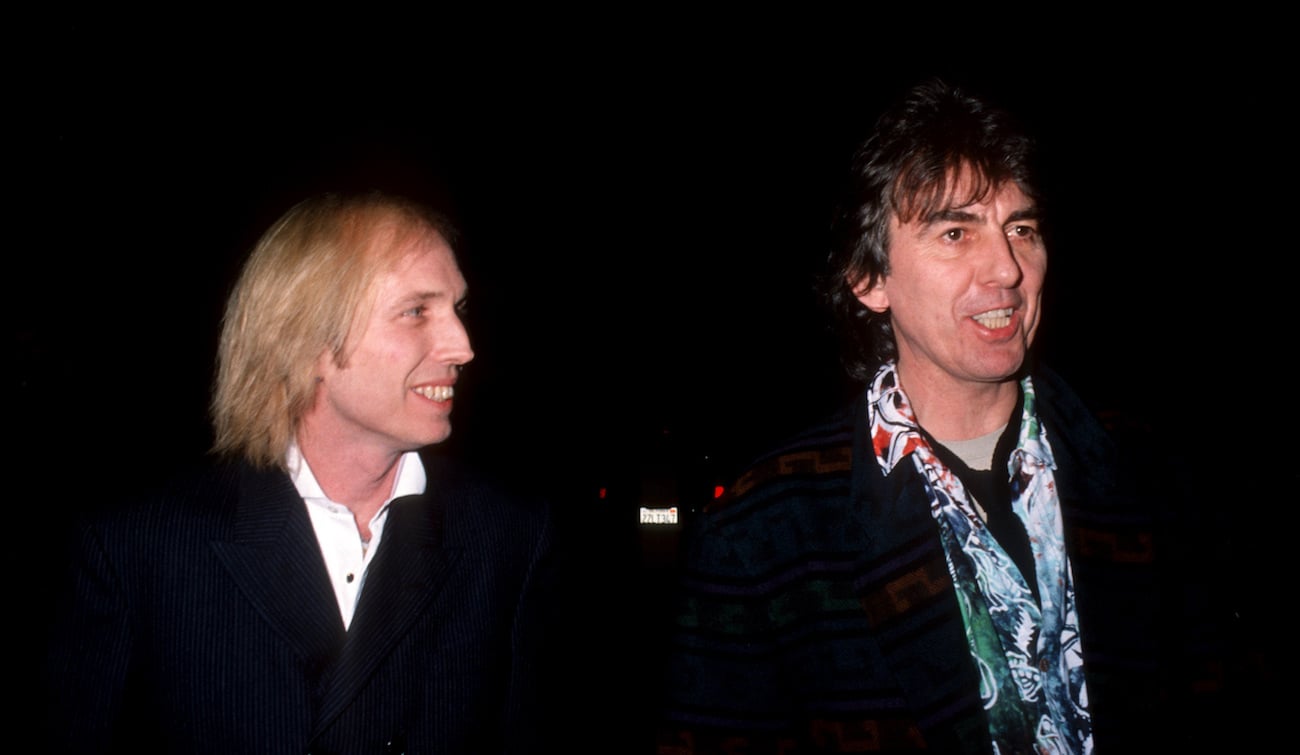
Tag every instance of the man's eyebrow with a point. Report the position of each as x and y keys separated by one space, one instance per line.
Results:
x=950 y=215
x=422 y=296
x=955 y=215
x=425 y=295
x=1028 y=213
x=418 y=297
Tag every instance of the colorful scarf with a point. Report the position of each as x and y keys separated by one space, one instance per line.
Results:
x=1029 y=658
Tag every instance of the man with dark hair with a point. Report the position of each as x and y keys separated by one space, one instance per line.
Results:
x=320 y=586
x=955 y=562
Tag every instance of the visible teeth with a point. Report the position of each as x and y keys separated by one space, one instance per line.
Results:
x=436 y=392
x=994 y=319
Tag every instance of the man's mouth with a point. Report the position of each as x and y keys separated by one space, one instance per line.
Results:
x=994 y=318
x=436 y=392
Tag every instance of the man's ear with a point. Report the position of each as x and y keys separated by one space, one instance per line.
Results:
x=872 y=295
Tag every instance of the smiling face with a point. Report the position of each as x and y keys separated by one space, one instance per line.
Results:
x=963 y=290
x=393 y=392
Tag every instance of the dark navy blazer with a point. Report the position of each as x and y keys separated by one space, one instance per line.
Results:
x=203 y=621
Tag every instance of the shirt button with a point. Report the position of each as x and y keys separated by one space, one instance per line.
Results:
x=351 y=577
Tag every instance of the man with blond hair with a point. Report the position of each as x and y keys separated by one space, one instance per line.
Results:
x=320 y=586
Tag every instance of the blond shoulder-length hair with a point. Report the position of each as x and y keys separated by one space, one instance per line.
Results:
x=303 y=291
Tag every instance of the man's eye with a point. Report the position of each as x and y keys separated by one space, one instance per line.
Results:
x=416 y=311
x=953 y=234
x=1023 y=231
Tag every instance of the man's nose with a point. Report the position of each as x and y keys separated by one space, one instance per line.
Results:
x=1000 y=266
x=453 y=342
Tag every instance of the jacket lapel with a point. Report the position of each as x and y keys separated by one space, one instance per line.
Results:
x=911 y=603
x=274 y=558
x=408 y=572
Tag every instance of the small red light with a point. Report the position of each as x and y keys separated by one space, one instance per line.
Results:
x=602 y=494
x=718 y=490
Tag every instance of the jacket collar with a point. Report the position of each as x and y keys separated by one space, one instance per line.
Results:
x=906 y=588
x=273 y=555
x=271 y=552
x=404 y=580
x=910 y=600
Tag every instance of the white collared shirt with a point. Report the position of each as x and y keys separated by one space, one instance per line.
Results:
x=346 y=556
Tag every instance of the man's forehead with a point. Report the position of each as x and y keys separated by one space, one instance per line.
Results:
x=959 y=198
x=424 y=265
x=392 y=237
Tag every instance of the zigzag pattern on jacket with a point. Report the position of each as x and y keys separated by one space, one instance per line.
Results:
x=818 y=614
x=798 y=621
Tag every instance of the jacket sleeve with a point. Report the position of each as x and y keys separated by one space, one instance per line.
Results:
x=722 y=691
x=526 y=726
x=87 y=657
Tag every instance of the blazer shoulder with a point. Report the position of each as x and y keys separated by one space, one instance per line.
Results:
x=474 y=503
x=202 y=499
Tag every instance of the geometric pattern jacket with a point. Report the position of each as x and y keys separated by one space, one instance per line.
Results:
x=817 y=613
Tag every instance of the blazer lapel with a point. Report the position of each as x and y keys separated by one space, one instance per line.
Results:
x=911 y=603
x=408 y=572
x=274 y=557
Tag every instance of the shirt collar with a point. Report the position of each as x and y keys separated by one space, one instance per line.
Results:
x=410 y=478
x=895 y=433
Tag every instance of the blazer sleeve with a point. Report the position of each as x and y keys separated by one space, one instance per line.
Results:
x=87 y=658
x=526 y=719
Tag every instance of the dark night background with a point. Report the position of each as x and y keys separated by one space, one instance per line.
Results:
x=642 y=213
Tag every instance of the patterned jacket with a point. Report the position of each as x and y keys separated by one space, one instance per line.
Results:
x=818 y=614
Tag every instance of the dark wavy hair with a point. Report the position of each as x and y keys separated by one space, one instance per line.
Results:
x=908 y=167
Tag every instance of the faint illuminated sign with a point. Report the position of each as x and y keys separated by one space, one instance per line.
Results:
x=659 y=516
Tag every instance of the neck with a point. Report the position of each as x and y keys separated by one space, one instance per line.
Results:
x=956 y=410
x=361 y=481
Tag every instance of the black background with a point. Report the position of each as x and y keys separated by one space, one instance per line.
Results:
x=643 y=202
x=642 y=215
